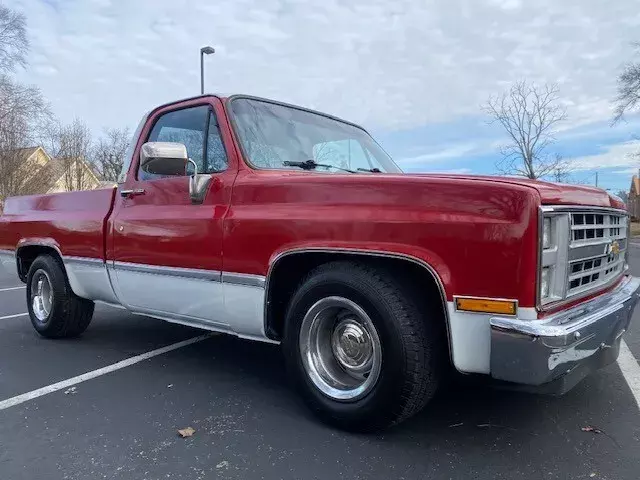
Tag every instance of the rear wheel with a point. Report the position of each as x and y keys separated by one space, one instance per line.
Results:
x=55 y=311
x=358 y=347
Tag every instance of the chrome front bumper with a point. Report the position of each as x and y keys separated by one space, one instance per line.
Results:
x=560 y=350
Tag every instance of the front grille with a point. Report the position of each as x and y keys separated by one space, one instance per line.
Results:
x=592 y=227
x=597 y=247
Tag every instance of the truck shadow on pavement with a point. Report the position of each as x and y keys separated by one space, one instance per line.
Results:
x=467 y=419
x=237 y=397
x=466 y=408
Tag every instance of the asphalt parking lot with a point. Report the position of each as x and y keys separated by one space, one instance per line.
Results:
x=249 y=424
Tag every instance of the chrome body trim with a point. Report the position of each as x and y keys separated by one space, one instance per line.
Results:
x=372 y=253
x=562 y=208
x=577 y=340
x=84 y=261
x=243 y=279
x=190 y=273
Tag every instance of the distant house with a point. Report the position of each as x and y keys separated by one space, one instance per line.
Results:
x=633 y=204
x=54 y=175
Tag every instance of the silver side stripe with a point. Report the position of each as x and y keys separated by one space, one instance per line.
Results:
x=84 y=261
x=194 y=273
x=243 y=279
x=233 y=278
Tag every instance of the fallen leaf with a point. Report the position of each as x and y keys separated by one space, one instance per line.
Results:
x=72 y=391
x=186 y=432
x=222 y=464
x=170 y=385
x=591 y=475
x=591 y=429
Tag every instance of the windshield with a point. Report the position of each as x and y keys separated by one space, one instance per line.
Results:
x=273 y=134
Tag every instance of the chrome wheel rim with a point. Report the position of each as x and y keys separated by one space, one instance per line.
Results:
x=41 y=295
x=340 y=348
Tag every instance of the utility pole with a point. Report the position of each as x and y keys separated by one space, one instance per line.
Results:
x=596 y=179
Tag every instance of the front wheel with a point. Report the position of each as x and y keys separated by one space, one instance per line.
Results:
x=358 y=347
x=55 y=311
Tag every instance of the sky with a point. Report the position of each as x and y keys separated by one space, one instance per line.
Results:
x=415 y=73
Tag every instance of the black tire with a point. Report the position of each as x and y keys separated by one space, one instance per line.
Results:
x=410 y=342
x=69 y=315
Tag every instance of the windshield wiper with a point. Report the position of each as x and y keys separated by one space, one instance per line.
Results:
x=371 y=170
x=312 y=165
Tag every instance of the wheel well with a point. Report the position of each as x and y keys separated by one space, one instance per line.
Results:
x=26 y=255
x=287 y=274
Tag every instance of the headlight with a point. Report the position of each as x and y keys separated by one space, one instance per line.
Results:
x=555 y=231
x=546 y=233
x=545 y=279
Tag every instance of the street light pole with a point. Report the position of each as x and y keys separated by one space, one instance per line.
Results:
x=208 y=51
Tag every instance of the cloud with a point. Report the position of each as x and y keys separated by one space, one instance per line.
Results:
x=612 y=156
x=626 y=171
x=450 y=152
x=388 y=65
x=506 y=4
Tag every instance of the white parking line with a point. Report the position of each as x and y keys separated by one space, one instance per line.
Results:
x=12 y=288
x=14 y=316
x=626 y=361
x=630 y=370
x=25 y=397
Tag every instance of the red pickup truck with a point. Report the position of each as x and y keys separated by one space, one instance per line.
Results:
x=284 y=225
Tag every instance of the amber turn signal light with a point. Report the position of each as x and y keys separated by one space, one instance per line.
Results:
x=486 y=305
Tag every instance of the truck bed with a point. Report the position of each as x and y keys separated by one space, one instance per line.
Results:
x=73 y=222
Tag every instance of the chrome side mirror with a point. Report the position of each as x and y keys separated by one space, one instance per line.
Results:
x=198 y=184
x=163 y=158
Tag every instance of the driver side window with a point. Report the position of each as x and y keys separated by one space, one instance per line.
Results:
x=188 y=126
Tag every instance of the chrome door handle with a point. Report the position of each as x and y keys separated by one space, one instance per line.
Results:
x=132 y=193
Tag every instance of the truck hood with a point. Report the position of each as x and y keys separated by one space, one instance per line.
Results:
x=551 y=193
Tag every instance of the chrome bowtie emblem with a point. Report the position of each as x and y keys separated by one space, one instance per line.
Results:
x=612 y=248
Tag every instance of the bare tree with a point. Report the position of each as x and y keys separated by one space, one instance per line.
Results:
x=623 y=195
x=561 y=170
x=529 y=114
x=109 y=153
x=71 y=146
x=13 y=39
x=23 y=112
x=628 y=97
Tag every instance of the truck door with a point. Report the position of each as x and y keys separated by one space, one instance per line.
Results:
x=166 y=252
